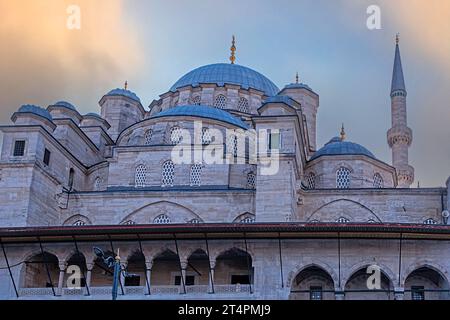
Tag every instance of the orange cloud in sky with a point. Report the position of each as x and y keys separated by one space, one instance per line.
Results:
x=428 y=21
x=40 y=56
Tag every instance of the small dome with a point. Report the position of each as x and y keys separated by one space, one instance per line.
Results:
x=65 y=104
x=124 y=93
x=338 y=147
x=30 y=108
x=225 y=73
x=202 y=112
x=93 y=114
x=298 y=86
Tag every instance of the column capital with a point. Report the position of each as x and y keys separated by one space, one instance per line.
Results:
x=212 y=263
x=62 y=266
x=184 y=264
x=148 y=265
x=90 y=266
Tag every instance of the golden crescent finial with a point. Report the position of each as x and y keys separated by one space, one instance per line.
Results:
x=397 y=38
x=126 y=85
x=296 y=78
x=342 y=133
x=233 y=50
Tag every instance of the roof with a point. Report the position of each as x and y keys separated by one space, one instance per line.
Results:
x=65 y=104
x=30 y=108
x=93 y=114
x=298 y=86
x=338 y=147
x=282 y=230
x=124 y=93
x=398 y=81
x=202 y=112
x=225 y=73
x=280 y=99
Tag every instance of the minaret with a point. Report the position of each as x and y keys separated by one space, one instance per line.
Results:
x=400 y=136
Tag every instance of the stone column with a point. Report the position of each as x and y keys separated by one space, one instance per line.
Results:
x=123 y=268
x=399 y=293
x=339 y=295
x=89 y=267
x=148 y=271
x=212 y=264
x=184 y=265
x=62 y=271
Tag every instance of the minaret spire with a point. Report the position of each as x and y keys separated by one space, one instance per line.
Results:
x=233 y=50
x=398 y=81
x=400 y=136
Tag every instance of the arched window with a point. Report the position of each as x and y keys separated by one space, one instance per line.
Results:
x=206 y=136
x=242 y=105
x=196 y=101
x=148 y=137
x=232 y=145
x=175 y=135
x=162 y=219
x=220 y=102
x=168 y=170
x=343 y=178
x=195 y=221
x=371 y=221
x=129 y=223
x=251 y=180
x=196 y=174
x=378 y=181
x=140 y=176
x=311 y=180
x=79 y=223
x=249 y=219
x=430 y=221
x=71 y=176
x=342 y=220
x=98 y=183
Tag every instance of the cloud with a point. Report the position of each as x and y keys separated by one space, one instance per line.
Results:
x=426 y=23
x=42 y=60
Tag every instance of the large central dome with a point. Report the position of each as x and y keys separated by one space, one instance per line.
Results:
x=225 y=73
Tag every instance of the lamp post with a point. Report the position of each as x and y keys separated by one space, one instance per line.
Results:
x=111 y=262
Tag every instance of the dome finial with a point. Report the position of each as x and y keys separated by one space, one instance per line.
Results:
x=342 y=133
x=397 y=38
x=126 y=85
x=296 y=78
x=233 y=50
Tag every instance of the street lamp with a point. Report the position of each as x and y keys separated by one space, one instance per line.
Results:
x=111 y=262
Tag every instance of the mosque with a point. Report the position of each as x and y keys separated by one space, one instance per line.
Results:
x=312 y=228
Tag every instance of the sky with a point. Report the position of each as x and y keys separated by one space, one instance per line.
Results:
x=153 y=43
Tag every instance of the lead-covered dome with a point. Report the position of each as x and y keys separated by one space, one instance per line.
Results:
x=336 y=146
x=225 y=73
x=30 y=108
x=202 y=112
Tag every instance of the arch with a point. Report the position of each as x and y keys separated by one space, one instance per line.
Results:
x=146 y=213
x=78 y=217
x=34 y=272
x=343 y=213
x=321 y=265
x=221 y=251
x=311 y=282
x=246 y=215
x=441 y=270
x=364 y=265
x=234 y=266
